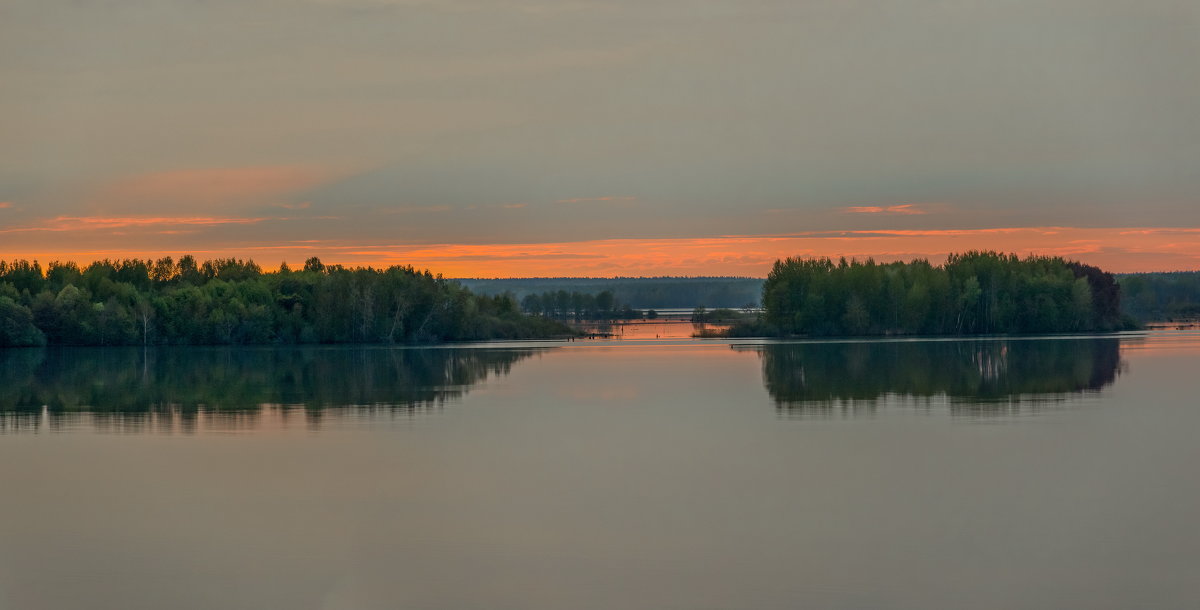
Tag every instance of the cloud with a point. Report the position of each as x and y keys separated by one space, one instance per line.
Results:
x=902 y=209
x=404 y=209
x=1163 y=231
x=96 y=223
x=591 y=199
x=211 y=187
x=5 y=204
x=450 y=255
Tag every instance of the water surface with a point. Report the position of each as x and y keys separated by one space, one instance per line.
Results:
x=1016 y=473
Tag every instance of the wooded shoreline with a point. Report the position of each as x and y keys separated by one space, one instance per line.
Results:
x=235 y=302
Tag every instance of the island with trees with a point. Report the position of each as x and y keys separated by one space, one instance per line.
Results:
x=970 y=294
x=236 y=302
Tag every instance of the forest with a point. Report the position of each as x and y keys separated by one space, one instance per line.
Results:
x=231 y=301
x=637 y=292
x=972 y=293
x=1161 y=297
x=578 y=306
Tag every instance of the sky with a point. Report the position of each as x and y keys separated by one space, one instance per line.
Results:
x=508 y=138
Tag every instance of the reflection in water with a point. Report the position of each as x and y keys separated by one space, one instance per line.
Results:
x=130 y=389
x=977 y=377
x=648 y=329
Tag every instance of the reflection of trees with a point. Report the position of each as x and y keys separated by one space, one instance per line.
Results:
x=121 y=388
x=985 y=375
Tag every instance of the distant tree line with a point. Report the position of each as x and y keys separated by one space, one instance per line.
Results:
x=638 y=292
x=231 y=301
x=1161 y=297
x=972 y=293
x=578 y=306
x=722 y=315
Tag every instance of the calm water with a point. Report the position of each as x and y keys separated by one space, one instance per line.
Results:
x=1032 y=473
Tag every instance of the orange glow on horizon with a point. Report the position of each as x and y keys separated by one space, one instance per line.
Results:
x=1126 y=249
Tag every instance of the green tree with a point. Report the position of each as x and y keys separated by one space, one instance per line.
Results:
x=16 y=325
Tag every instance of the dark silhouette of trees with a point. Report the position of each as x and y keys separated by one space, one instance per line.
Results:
x=637 y=292
x=720 y=315
x=577 y=306
x=231 y=301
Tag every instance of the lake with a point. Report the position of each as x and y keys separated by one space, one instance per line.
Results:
x=651 y=473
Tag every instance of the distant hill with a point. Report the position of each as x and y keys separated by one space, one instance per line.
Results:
x=638 y=292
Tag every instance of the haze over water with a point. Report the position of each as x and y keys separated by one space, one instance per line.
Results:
x=1005 y=473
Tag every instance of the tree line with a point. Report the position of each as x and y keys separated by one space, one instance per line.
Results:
x=578 y=306
x=1161 y=297
x=231 y=301
x=972 y=293
x=638 y=292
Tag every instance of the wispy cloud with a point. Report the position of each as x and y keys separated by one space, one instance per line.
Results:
x=5 y=204
x=908 y=209
x=94 y=223
x=1163 y=231
x=405 y=209
x=263 y=186
x=612 y=198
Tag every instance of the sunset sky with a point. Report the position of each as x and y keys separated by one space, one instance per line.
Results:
x=498 y=138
